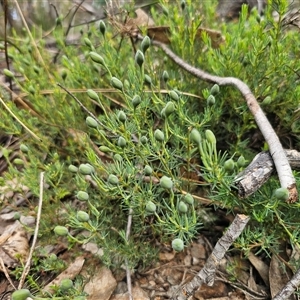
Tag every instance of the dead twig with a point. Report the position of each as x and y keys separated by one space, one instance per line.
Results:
x=207 y=274
x=128 y=273
x=282 y=165
x=289 y=288
x=36 y=231
x=3 y=268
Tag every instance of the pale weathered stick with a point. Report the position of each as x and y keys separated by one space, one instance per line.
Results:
x=283 y=168
x=289 y=288
x=35 y=236
x=6 y=273
x=128 y=273
x=207 y=274
x=259 y=171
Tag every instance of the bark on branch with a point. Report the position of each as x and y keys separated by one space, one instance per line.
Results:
x=260 y=170
x=207 y=274
x=283 y=168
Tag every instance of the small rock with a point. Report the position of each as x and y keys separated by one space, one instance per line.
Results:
x=137 y=293
x=101 y=286
x=121 y=288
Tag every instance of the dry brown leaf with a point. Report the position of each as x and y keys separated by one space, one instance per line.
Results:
x=261 y=267
x=162 y=34
x=14 y=247
x=101 y=285
x=141 y=19
x=278 y=275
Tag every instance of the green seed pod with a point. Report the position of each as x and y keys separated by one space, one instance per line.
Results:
x=195 y=136
x=282 y=194
x=82 y=196
x=97 y=58
x=91 y=122
x=121 y=116
x=104 y=149
x=61 y=230
x=121 y=142
x=118 y=157
x=182 y=207
x=267 y=100
x=66 y=284
x=150 y=207
x=189 y=199
x=116 y=83
x=165 y=76
x=88 y=42
x=169 y=108
x=8 y=73
x=147 y=79
x=229 y=165
x=18 y=161
x=139 y=58
x=82 y=216
x=22 y=294
x=148 y=170
x=53 y=257
x=136 y=100
x=177 y=245
x=166 y=183
x=93 y=95
x=31 y=90
x=159 y=135
x=144 y=140
x=146 y=42
x=210 y=136
x=73 y=169
x=241 y=161
x=215 y=89
x=211 y=100
x=24 y=148
x=17 y=216
x=113 y=179
x=102 y=27
x=173 y=95
x=85 y=169
x=93 y=169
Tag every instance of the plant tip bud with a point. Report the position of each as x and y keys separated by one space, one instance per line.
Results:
x=166 y=182
x=177 y=245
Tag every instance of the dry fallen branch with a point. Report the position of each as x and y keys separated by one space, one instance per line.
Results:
x=36 y=232
x=289 y=288
x=282 y=165
x=207 y=274
x=260 y=170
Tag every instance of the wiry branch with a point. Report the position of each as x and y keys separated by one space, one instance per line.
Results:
x=283 y=168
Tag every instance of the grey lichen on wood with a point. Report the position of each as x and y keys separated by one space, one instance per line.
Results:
x=260 y=170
